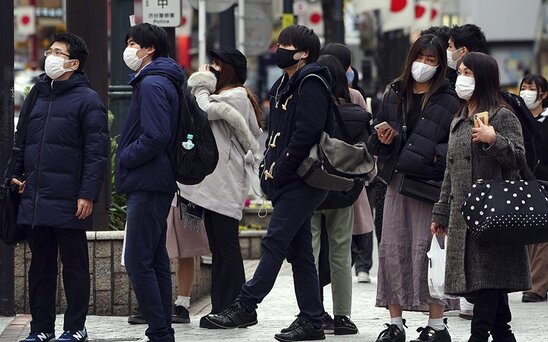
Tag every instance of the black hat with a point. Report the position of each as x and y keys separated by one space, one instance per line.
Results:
x=233 y=57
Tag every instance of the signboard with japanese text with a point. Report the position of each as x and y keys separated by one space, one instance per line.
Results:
x=164 y=13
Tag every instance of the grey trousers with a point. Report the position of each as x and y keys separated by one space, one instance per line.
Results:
x=338 y=224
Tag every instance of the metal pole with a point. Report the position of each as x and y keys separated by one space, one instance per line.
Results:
x=288 y=18
x=202 y=32
x=7 y=304
x=241 y=26
x=338 y=21
x=227 y=30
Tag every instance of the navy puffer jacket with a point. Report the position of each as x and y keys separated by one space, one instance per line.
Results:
x=142 y=163
x=65 y=153
x=423 y=153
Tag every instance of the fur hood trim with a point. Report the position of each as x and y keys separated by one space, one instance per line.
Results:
x=237 y=124
x=204 y=79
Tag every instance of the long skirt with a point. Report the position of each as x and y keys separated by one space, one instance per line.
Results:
x=403 y=264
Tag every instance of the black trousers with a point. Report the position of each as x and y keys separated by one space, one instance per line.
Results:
x=491 y=315
x=227 y=273
x=362 y=252
x=46 y=243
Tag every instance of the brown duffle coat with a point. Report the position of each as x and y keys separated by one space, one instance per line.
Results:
x=471 y=267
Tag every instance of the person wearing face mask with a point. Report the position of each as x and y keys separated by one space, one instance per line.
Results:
x=485 y=273
x=299 y=112
x=59 y=176
x=414 y=119
x=144 y=172
x=236 y=122
x=463 y=40
x=534 y=91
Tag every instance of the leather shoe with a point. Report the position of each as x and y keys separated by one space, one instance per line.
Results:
x=344 y=326
x=531 y=297
x=234 y=316
x=303 y=331
x=428 y=334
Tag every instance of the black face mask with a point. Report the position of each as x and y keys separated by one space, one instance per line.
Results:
x=284 y=58
x=215 y=72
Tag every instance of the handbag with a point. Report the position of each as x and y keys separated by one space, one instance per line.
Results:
x=507 y=211
x=10 y=232
x=332 y=164
x=420 y=189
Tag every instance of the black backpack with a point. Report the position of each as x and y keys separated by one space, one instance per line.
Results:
x=193 y=153
x=531 y=134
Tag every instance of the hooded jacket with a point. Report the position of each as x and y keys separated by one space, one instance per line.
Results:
x=65 y=153
x=299 y=112
x=142 y=163
x=422 y=154
x=232 y=120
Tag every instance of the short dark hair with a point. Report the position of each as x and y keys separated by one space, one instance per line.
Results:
x=469 y=35
x=540 y=83
x=303 y=39
x=76 y=47
x=487 y=94
x=148 y=35
x=339 y=83
x=340 y=51
x=442 y=32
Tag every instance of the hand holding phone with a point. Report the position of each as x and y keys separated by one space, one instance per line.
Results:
x=385 y=132
x=483 y=117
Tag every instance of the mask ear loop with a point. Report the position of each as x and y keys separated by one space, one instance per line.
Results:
x=299 y=62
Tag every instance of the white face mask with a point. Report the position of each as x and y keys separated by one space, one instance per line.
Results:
x=465 y=86
x=55 y=67
x=530 y=98
x=131 y=59
x=422 y=72
x=450 y=62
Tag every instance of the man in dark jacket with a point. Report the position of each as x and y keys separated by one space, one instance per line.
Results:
x=299 y=112
x=59 y=177
x=144 y=172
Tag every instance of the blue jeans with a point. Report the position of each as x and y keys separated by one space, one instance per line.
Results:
x=289 y=236
x=147 y=262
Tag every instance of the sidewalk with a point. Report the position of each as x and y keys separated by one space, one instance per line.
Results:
x=278 y=310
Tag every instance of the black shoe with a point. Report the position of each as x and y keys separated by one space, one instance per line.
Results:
x=204 y=323
x=304 y=331
x=39 y=337
x=328 y=324
x=234 y=316
x=428 y=334
x=531 y=297
x=292 y=326
x=344 y=326
x=392 y=333
x=137 y=318
x=180 y=314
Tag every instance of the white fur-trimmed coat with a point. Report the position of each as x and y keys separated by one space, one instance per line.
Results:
x=235 y=127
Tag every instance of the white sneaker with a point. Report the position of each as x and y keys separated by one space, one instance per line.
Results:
x=363 y=277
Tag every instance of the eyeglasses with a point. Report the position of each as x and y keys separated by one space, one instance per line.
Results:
x=55 y=52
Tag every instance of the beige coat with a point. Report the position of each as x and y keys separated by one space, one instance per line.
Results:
x=235 y=127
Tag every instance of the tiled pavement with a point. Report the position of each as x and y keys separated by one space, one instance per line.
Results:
x=278 y=310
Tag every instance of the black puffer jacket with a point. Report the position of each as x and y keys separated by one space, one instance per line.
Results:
x=299 y=113
x=425 y=144
x=356 y=120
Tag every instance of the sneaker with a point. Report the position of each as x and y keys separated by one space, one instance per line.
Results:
x=328 y=324
x=180 y=314
x=137 y=318
x=205 y=324
x=428 y=334
x=531 y=297
x=304 y=331
x=292 y=326
x=392 y=333
x=363 y=277
x=39 y=337
x=344 y=326
x=73 y=336
x=234 y=316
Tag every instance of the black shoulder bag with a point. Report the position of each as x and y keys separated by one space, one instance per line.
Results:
x=10 y=233
x=421 y=189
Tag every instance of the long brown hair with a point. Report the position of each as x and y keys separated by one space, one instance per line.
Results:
x=427 y=44
x=228 y=80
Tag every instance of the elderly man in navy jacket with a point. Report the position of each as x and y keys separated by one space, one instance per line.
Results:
x=144 y=172
x=59 y=178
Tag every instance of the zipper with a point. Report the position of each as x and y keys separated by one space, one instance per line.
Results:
x=40 y=161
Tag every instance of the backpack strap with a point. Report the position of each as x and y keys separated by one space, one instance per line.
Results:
x=333 y=103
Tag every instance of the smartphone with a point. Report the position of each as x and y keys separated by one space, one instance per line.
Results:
x=483 y=116
x=382 y=126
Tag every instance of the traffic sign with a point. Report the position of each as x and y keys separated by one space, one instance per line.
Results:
x=164 y=13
